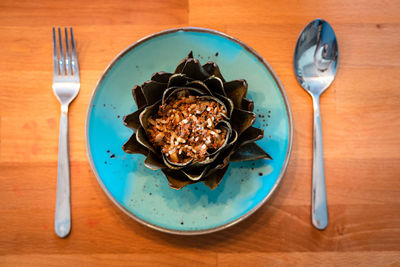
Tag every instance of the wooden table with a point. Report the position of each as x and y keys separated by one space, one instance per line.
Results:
x=361 y=130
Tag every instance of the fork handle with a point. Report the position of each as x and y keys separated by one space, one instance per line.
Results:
x=319 y=208
x=63 y=203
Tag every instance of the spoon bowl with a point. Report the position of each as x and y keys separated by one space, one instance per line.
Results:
x=316 y=57
x=315 y=64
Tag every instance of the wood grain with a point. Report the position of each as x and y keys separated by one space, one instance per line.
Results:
x=360 y=117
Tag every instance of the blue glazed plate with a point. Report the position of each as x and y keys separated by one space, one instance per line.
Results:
x=144 y=194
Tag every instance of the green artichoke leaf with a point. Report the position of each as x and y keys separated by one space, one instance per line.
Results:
x=138 y=96
x=249 y=151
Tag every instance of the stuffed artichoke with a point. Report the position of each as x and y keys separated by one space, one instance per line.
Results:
x=192 y=123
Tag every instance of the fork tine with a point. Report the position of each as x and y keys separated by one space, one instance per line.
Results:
x=62 y=68
x=55 y=54
x=74 y=59
x=67 y=56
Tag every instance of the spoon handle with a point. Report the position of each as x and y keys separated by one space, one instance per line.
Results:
x=319 y=209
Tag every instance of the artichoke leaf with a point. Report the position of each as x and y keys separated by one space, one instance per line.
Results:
x=199 y=85
x=223 y=159
x=233 y=138
x=215 y=85
x=153 y=162
x=161 y=77
x=247 y=104
x=242 y=120
x=194 y=70
x=196 y=174
x=204 y=162
x=176 y=179
x=182 y=63
x=213 y=69
x=132 y=146
x=236 y=90
x=175 y=165
x=249 y=151
x=147 y=113
x=138 y=96
x=228 y=104
x=250 y=135
x=180 y=66
x=153 y=91
x=213 y=180
x=132 y=120
x=141 y=137
x=178 y=80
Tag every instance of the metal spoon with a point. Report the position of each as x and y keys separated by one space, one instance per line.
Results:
x=315 y=61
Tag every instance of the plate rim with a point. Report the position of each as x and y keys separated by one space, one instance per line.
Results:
x=248 y=213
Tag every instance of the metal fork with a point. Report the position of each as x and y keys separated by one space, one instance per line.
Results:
x=66 y=86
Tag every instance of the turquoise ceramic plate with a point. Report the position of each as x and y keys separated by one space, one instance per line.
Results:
x=144 y=194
